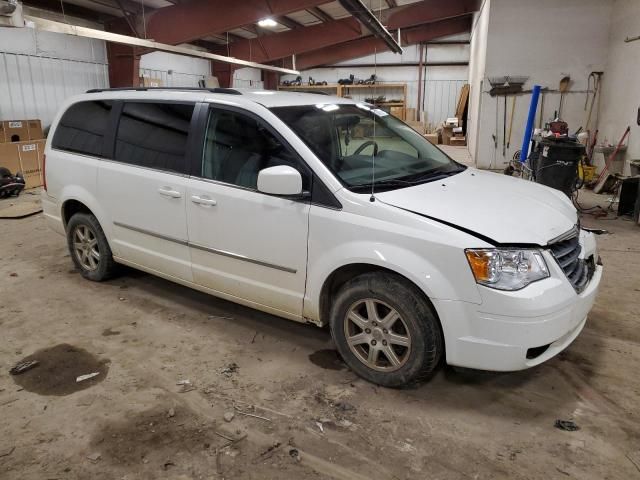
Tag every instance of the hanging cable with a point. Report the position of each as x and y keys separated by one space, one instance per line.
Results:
x=375 y=91
x=64 y=15
x=144 y=20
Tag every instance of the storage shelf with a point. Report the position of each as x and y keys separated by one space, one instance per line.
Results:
x=344 y=91
x=308 y=87
x=378 y=85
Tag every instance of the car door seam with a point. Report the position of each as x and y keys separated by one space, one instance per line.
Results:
x=216 y=251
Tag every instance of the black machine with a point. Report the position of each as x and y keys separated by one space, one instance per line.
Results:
x=369 y=81
x=10 y=184
x=630 y=198
x=347 y=81
x=554 y=162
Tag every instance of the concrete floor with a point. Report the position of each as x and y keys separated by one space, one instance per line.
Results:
x=317 y=419
x=458 y=153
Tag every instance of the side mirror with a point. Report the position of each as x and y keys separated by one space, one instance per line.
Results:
x=281 y=180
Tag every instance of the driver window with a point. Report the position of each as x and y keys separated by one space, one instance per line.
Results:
x=360 y=135
x=238 y=146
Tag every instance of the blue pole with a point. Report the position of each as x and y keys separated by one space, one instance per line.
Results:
x=526 y=141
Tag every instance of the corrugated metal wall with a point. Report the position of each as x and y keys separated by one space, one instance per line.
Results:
x=174 y=70
x=39 y=70
x=441 y=100
x=173 y=79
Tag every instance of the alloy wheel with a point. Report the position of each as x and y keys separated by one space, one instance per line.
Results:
x=377 y=335
x=85 y=247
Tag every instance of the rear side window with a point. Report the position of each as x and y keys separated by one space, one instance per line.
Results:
x=154 y=135
x=82 y=128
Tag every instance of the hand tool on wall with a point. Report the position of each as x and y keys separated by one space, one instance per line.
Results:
x=513 y=111
x=563 y=87
x=541 y=117
x=595 y=78
x=504 y=128
x=495 y=135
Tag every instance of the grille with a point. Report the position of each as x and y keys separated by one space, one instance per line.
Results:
x=579 y=271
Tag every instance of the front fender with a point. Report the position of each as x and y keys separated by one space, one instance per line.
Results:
x=429 y=276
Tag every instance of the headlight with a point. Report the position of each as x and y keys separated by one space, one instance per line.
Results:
x=506 y=269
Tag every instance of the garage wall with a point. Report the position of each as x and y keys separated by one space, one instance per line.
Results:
x=561 y=38
x=248 y=78
x=174 y=70
x=477 y=64
x=39 y=70
x=442 y=83
x=621 y=85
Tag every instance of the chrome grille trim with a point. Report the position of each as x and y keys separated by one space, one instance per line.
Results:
x=567 y=251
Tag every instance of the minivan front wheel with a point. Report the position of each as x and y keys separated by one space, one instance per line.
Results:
x=89 y=247
x=385 y=330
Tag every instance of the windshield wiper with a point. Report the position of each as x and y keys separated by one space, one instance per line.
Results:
x=408 y=181
x=366 y=187
x=430 y=176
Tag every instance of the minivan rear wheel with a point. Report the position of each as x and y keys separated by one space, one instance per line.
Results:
x=386 y=330
x=89 y=248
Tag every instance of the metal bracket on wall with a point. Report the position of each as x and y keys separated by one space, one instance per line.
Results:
x=631 y=39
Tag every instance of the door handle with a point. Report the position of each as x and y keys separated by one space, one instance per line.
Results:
x=169 y=192
x=210 y=202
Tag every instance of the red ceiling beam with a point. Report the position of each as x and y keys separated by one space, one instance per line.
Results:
x=195 y=19
x=369 y=45
x=429 y=11
x=272 y=47
x=280 y=45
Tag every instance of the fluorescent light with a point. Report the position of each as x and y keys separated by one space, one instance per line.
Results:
x=267 y=22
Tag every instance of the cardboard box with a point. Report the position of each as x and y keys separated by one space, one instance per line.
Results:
x=458 y=141
x=31 y=162
x=397 y=112
x=432 y=137
x=150 y=82
x=417 y=126
x=411 y=115
x=9 y=157
x=20 y=130
x=25 y=157
x=447 y=133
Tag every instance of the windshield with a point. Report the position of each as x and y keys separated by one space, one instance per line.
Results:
x=361 y=145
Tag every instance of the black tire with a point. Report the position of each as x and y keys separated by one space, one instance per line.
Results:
x=105 y=266
x=418 y=322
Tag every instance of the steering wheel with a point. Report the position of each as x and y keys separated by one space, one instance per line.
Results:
x=365 y=145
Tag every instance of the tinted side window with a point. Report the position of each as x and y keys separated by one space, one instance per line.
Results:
x=82 y=128
x=238 y=146
x=154 y=135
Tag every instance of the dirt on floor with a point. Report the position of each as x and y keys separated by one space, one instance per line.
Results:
x=192 y=387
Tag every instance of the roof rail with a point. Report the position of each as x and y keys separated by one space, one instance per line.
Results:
x=228 y=91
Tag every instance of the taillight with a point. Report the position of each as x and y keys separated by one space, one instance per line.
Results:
x=44 y=172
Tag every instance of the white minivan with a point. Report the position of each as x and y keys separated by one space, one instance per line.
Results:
x=323 y=210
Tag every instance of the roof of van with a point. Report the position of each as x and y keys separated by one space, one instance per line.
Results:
x=268 y=98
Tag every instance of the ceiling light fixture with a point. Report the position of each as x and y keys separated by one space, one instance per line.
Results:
x=267 y=22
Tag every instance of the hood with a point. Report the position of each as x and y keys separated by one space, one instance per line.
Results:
x=498 y=207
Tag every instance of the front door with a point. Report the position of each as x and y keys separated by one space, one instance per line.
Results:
x=245 y=244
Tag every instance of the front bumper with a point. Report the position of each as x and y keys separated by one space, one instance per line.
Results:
x=517 y=330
